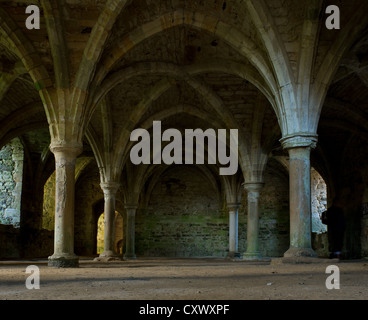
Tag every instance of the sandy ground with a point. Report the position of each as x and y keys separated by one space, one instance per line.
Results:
x=185 y=279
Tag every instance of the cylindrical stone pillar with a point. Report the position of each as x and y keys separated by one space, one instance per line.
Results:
x=233 y=230
x=300 y=197
x=253 y=252
x=109 y=189
x=64 y=256
x=130 y=232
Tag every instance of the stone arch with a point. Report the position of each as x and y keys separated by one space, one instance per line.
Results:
x=243 y=71
x=32 y=126
x=25 y=51
x=95 y=144
x=208 y=23
x=274 y=44
x=174 y=71
x=31 y=60
x=205 y=91
x=97 y=41
x=232 y=186
x=180 y=109
x=16 y=118
x=351 y=32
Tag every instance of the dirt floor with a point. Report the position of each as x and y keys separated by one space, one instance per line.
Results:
x=186 y=279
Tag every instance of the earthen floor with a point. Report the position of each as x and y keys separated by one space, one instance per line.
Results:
x=185 y=279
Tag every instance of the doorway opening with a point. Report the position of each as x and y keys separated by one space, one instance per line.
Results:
x=118 y=233
x=319 y=201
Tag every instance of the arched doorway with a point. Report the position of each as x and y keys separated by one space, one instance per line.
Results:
x=319 y=201
x=118 y=242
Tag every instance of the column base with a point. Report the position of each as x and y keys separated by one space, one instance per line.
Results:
x=107 y=259
x=300 y=252
x=249 y=256
x=63 y=261
x=108 y=256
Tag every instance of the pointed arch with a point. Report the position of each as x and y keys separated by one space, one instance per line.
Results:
x=97 y=41
x=24 y=49
x=212 y=24
x=206 y=92
x=278 y=56
x=349 y=34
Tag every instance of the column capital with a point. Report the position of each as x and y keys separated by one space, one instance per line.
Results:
x=72 y=149
x=110 y=187
x=299 y=140
x=253 y=186
x=131 y=206
x=233 y=206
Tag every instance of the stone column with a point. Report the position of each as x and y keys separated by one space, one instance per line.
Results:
x=109 y=190
x=65 y=156
x=233 y=230
x=130 y=232
x=299 y=148
x=253 y=190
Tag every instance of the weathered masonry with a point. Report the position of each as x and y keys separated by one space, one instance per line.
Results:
x=72 y=92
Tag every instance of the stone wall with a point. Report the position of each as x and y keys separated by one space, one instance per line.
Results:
x=37 y=243
x=183 y=218
x=187 y=218
x=274 y=212
x=18 y=243
x=9 y=242
x=11 y=176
